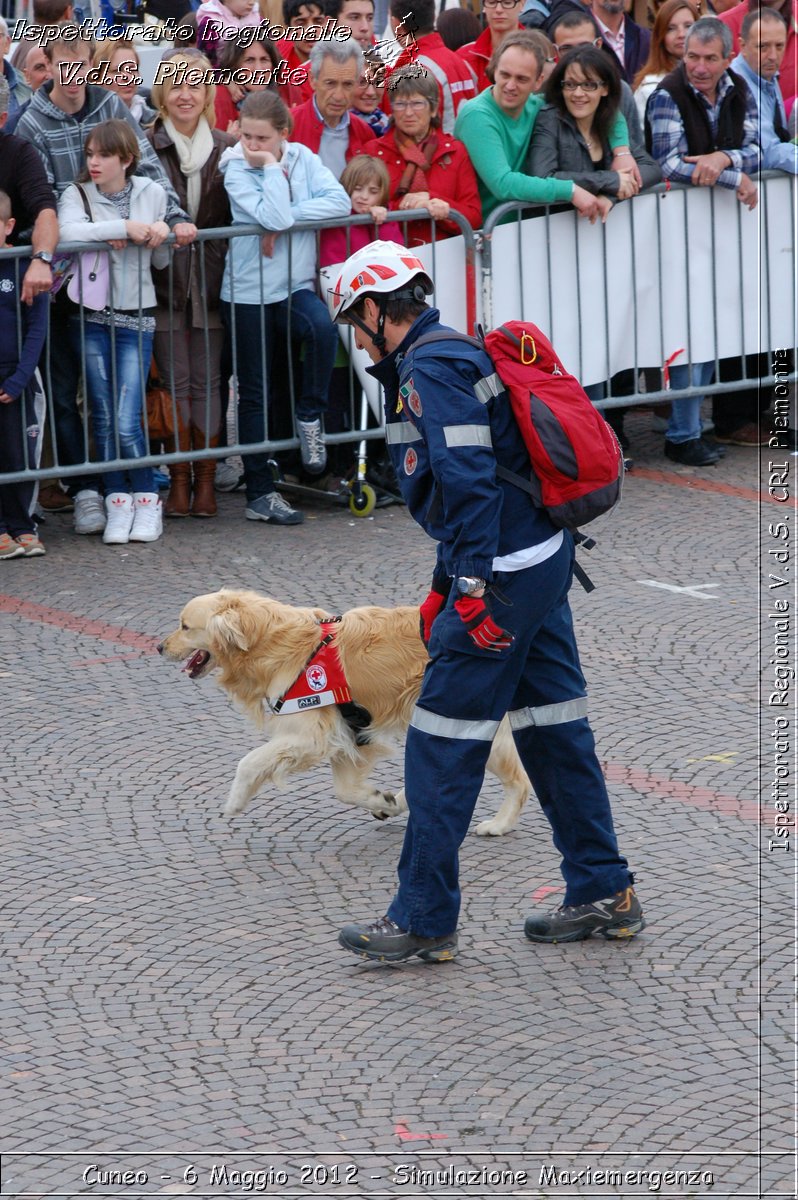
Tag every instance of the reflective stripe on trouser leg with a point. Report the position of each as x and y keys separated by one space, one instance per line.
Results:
x=549 y=714
x=453 y=727
x=443 y=777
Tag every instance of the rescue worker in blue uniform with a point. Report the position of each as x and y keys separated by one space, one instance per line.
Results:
x=497 y=623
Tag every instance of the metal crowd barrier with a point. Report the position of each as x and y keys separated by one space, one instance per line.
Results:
x=663 y=279
x=617 y=297
x=280 y=358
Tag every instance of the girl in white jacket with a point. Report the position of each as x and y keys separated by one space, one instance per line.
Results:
x=115 y=330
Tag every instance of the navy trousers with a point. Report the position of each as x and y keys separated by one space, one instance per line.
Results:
x=465 y=693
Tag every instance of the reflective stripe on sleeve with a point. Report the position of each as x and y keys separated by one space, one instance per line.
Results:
x=467 y=435
x=450 y=727
x=549 y=714
x=488 y=388
x=398 y=433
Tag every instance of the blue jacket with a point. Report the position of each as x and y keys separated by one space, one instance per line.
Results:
x=445 y=442
x=20 y=347
x=298 y=188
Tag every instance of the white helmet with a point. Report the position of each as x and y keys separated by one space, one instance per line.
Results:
x=381 y=268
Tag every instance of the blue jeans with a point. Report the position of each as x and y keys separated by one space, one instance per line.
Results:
x=685 y=421
x=116 y=400
x=310 y=325
x=465 y=693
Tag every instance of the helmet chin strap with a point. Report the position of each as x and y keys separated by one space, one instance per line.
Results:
x=417 y=292
x=377 y=336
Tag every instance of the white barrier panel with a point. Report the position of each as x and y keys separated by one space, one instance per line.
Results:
x=689 y=269
x=446 y=264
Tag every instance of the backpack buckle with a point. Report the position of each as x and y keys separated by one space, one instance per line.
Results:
x=526 y=340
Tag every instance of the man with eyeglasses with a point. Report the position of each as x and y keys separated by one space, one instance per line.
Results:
x=501 y=18
x=497 y=125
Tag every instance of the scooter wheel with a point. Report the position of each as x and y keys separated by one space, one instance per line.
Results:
x=364 y=504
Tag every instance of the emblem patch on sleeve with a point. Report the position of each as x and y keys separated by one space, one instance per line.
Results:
x=411 y=460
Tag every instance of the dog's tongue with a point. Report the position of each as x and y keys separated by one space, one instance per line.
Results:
x=197 y=660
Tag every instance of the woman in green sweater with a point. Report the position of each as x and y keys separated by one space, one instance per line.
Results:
x=496 y=128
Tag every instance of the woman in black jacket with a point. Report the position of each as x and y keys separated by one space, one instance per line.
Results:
x=570 y=140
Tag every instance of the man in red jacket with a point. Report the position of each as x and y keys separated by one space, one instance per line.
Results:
x=788 y=71
x=501 y=18
x=324 y=123
x=307 y=15
x=413 y=25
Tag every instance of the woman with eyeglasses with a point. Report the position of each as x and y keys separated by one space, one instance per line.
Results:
x=501 y=18
x=427 y=168
x=571 y=135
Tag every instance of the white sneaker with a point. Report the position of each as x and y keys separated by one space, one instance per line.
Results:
x=119 y=518
x=147 y=517
x=89 y=512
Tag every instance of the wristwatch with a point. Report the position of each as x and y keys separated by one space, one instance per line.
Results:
x=468 y=584
x=45 y=256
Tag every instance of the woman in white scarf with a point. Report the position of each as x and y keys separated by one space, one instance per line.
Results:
x=189 y=336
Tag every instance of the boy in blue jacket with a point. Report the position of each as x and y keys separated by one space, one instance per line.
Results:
x=22 y=333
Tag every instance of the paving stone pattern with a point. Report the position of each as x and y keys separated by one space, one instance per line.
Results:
x=172 y=990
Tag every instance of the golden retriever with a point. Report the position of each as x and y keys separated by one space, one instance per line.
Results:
x=257 y=647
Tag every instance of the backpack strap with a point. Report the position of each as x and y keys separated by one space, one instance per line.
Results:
x=426 y=339
x=580 y=539
x=443 y=335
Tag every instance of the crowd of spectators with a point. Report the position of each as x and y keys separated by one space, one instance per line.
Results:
x=303 y=115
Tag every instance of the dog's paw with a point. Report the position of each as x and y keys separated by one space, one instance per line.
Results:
x=389 y=806
x=399 y=801
x=234 y=806
x=494 y=828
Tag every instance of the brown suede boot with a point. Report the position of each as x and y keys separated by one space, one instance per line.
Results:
x=179 y=498
x=204 y=502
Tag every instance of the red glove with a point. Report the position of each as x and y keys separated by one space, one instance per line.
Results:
x=482 y=629
x=429 y=610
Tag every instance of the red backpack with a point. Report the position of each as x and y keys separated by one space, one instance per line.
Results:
x=577 y=464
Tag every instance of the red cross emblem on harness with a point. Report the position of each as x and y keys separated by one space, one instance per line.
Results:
x=316 y=677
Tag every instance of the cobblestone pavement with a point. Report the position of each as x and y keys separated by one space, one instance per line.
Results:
x=174 y=1001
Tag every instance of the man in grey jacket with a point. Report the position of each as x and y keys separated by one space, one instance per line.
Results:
x=57 y=122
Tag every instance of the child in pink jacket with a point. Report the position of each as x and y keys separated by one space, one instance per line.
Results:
x=218 y=20
x=367 y=183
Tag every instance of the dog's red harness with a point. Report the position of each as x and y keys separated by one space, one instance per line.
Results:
x=322 y=681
